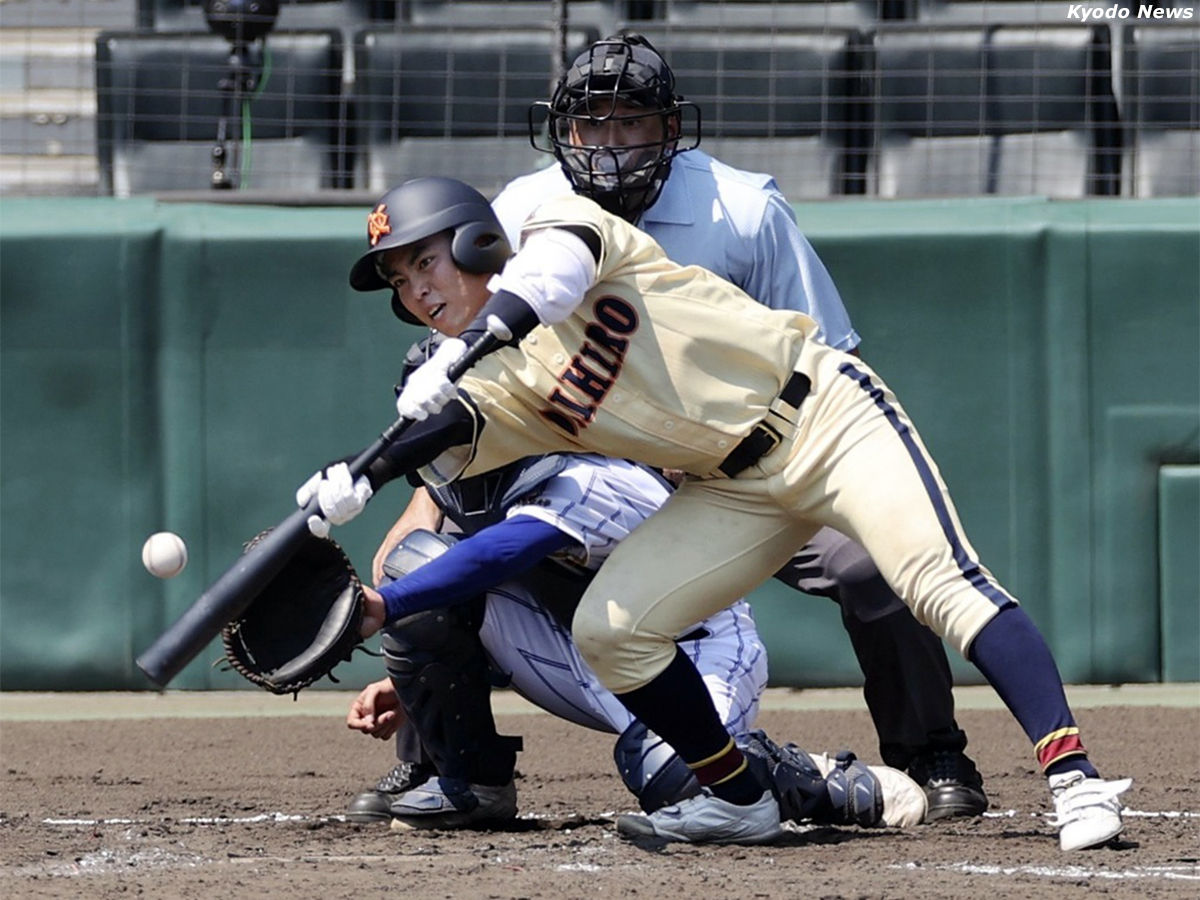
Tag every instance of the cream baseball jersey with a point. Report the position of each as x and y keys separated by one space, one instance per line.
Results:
x=617 y=377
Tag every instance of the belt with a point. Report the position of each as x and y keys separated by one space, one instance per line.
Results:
x=764 y=438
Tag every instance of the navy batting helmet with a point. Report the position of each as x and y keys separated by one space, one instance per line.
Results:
x=625 y=68
x=424 y=207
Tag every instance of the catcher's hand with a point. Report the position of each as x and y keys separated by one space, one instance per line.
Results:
x=304 y=622
x=376 y=711
x=374 y=612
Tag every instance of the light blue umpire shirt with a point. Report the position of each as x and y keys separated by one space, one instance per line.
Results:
x=737 y=224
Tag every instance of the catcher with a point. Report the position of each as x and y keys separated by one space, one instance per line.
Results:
x=503 y=592
x=532 y=535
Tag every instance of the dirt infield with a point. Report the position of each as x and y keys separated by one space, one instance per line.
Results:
x=248 y=806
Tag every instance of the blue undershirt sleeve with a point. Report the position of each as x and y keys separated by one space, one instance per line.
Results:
x=484 y=560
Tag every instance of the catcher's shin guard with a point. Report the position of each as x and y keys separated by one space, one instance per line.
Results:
x=651 y=769
x=826 y=790
x=854 y=792
x=437 y=664
x=793 y=778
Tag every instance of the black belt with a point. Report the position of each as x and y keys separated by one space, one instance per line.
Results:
x=764 y=438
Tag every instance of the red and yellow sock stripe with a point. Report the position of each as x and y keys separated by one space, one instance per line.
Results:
x=725 y=764
x=1059 y=745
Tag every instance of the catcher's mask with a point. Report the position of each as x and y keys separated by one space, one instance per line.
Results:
x=624 y=179
x=424 y=207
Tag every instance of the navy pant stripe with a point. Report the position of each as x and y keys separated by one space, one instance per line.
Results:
x=966 y=565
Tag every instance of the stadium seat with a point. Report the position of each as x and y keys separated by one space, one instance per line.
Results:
x=996 y=110
x=780 y=102
x=603 y=15
x=188 y=15
x=785 y=14
x=929 y=113
x=1053 y=111
x=451 y=101
x=159 y=104
x=1161 y=109
x=1000 y=12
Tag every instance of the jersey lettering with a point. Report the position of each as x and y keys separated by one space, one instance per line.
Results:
x=616 y=315
x=561 y=421
x=589 y=352
x=605 y=346
x=592 y=384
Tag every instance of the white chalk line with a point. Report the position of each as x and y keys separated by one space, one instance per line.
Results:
x=284 y=818
x=1178 y=873
x=276 y=817
x=106 y=861
x=1125 y=813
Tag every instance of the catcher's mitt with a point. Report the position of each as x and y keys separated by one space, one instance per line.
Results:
x=304 y=622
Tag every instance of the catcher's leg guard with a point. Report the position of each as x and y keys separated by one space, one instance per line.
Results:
x=854 y=792
x=437 y=664
x=833 y=791
x=651 y=769
x=793 y=778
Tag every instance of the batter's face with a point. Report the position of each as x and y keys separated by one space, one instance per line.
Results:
x=432 y=287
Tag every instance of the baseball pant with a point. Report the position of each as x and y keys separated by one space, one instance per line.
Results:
x=849 y=459
x=532 y=650
x=907 y=682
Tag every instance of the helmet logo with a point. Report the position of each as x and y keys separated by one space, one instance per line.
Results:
x=378 y=224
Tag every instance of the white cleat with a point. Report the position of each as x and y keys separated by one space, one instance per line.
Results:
x=905 y=802
x=707 y=819
x=1087 y=810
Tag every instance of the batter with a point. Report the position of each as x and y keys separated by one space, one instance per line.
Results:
x=612 y=348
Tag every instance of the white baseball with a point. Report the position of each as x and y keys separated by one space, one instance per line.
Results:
x=164 y=554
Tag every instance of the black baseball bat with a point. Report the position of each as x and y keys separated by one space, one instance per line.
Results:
x=233 y=592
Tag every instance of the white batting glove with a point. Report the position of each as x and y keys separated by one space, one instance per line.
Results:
x=340 y=497
x=316 y=525
x=308 y=490
x=428 y=389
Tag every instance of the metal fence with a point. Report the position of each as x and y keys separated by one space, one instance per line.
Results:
x=882 y=98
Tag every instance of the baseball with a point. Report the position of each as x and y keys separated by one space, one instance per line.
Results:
x=164 y=554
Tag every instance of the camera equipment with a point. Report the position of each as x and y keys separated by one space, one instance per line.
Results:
x=245 y=24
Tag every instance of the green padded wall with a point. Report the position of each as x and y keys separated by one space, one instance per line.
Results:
x=187 y=366
x=1179 y=567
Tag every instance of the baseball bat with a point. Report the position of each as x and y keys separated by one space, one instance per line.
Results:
x=233 y=592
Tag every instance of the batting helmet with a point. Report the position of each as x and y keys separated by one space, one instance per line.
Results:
x=627 y=179
x=424 y=207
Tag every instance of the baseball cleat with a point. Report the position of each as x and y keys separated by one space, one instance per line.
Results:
x=707 y=819
x=449 y=803
x=376 y=805
x=1087 y=811
x=951 y=782
x=905 y=803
